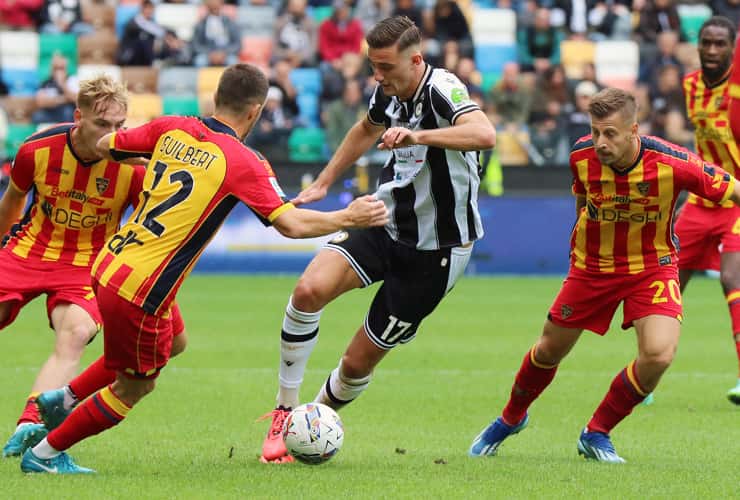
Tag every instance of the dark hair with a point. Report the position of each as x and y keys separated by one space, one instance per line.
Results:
x=394 y=30
x=612 y=100
x=721 y=22
x=239 y=86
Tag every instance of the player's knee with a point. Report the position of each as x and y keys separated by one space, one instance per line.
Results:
x=549 y=353
x=130 y=390
x=308 y=295
x=75 y=337
x=660 y=360
x=730 y=279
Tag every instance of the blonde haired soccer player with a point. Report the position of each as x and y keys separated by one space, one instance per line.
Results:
x=78 y=199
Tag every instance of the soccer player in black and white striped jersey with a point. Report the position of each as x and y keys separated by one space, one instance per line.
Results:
x=425 y=117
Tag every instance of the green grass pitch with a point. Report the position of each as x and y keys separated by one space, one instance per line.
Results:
x=196 y=436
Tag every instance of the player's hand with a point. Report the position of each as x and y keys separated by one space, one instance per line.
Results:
x=397 y=137
x=368 y=211
x=314 y=192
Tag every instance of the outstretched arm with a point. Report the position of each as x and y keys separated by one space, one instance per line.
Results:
x=365 y=211
x=359 y=139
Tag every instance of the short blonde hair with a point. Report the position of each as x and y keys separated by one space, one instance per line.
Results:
x=612 y=100
x=100 y=92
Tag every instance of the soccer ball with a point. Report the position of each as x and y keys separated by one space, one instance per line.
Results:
x=313 y=433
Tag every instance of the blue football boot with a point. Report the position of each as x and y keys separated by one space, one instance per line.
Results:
x=61 y=464
x=488 y=441
x=51 y=408
x=24 y=437
x=597 y=446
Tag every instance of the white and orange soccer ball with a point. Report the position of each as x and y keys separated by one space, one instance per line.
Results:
x=313 y=433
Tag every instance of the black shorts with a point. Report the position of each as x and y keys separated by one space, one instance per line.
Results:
x=414 y=281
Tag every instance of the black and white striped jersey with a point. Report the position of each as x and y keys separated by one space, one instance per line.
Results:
x=431 y=193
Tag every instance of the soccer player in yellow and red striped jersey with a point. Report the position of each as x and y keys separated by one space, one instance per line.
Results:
x=199 y=170
x=623 y=251
x=78 y=200
x=710 y=232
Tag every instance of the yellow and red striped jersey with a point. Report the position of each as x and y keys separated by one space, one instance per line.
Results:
x=76 y=205
x=708 y=108
x=626 y=225
x=198 y=172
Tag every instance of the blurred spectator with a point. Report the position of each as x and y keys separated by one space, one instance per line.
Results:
x=144 y=41
x=281 y=79
x=19 y=14
x=370 y=12
x=56 y=98
x=340 y=115
x=576 y=13
x=3 y=86
x=295 y=33
x=273 y=129
x=726 y=8
x=450 y=56
x=610 y=20
x=656 y=17
x=644 y=109
x=547 y=137
x=539 y=44
x=553 y=86
x=63 y=16
x=468 y=75
x=668 y=91
x=448 y=24
x=665 y=55
x=216 y=38
x=339 y=33
x=589 y=73
x=409 y=9
x=578 y=123
x=136 y=46
x=510 y=97
x=335 y=79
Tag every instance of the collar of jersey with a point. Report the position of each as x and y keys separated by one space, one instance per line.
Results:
x=719 y=82
x=422 y=82
x=637 y=161
x=217 y=126
x=74 y=153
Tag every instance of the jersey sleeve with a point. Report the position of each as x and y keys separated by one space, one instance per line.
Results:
x=23 y=168
x=138 y=141
x=257 y=186
x=376 y=109
x=450 y=97
x=707 y=180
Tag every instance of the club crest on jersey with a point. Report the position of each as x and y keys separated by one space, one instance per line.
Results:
x=643 y=188
x=417 y=109
x=565 y=311
x=101 y=183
